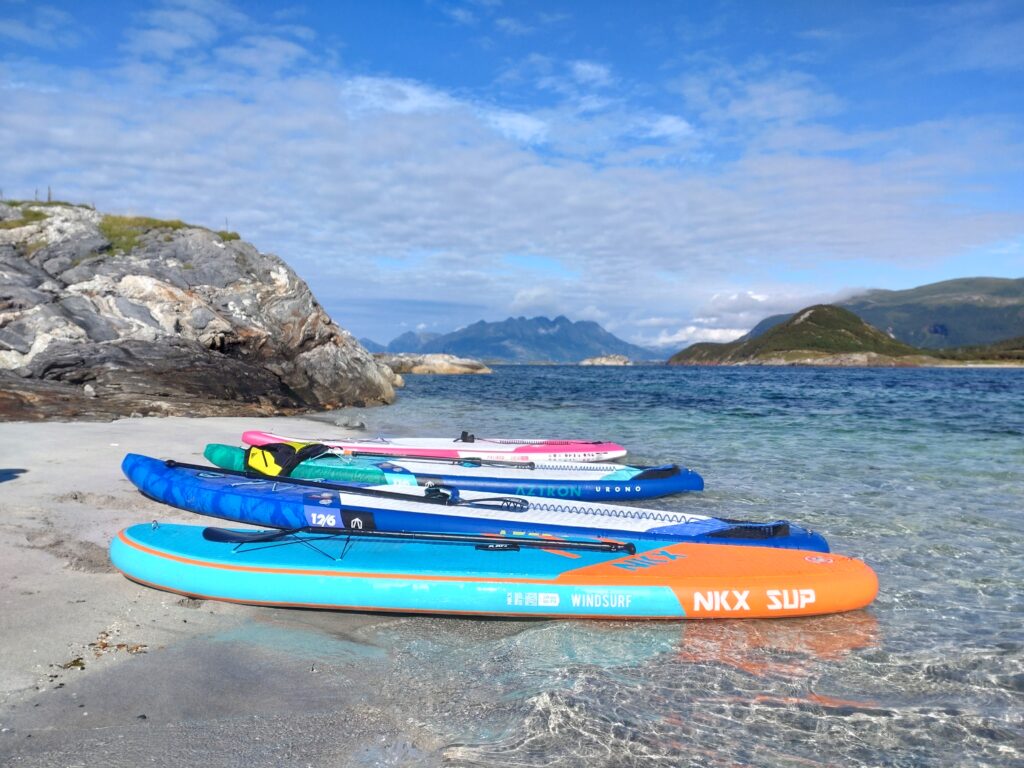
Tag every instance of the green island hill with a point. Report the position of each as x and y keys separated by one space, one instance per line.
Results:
x=829 y=335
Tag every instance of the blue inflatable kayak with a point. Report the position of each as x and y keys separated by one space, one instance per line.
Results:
x=480 y=575
x=293 y=504
x=562 y=480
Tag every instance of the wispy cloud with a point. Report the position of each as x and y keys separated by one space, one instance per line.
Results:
x=591 y=73
x=692 y=334
x=974 y=36
x=511 y=26
x=460 y=14
x=42 y=26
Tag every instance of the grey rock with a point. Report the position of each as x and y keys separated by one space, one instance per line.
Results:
x=431 y=363
x=607 y=360
x=14 y=297
x=15 y=269
x=83 y=314
x=356 y=424
x=131 y=310
x=59 y=256
x=200 y=317
x=182 y=314
x=17 y=339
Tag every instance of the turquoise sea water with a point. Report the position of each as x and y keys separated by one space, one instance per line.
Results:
x=920 y=472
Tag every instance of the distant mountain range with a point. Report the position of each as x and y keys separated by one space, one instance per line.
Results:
x=411 y=341
x=969 y=312
x=954 y=313
x=521 y=340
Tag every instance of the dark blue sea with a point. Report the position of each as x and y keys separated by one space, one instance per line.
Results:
x=918 y=471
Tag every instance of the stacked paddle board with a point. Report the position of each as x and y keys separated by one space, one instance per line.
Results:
x=289 y=503
x=551 y=480
x=465 y=447
x=355 y=527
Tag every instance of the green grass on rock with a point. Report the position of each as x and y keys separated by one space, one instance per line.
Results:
x=124 y=232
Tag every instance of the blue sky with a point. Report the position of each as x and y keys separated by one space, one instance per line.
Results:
x=673 y=170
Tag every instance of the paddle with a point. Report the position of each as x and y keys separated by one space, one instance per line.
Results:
x=226 y=536
x=471 y=462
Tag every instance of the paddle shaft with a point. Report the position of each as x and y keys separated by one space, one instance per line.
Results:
x=245 y=537
x=353 y=489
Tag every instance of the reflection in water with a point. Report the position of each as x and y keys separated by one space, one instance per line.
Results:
x=918 y=472
x=783 y=648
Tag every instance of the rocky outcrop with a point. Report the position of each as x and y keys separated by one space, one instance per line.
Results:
x=445 y=364
x=170 y=314
x=607 y=360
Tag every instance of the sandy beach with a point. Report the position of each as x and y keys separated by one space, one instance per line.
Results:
x=97 y=667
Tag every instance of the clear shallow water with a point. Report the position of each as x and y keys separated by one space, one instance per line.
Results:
x=920 y=472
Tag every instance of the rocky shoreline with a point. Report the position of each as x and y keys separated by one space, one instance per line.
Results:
x=607 y=360
x=803 y=358
x=103 y=316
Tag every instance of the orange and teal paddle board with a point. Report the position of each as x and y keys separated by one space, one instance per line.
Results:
x=468 y=575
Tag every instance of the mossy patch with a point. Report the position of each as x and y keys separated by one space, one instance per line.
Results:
x=51 y=203
x=35 y=245
x=124 y=232
x=228 y=236
x=27 y=217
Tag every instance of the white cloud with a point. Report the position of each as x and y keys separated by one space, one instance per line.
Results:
x=42 y=26
x=537 y=299
x=168 y=31
x=692 y=334
x=670 y=127
x=598 y=315
x=263 y=54
x=398 y=167
x=383 y=94
x=590 y=73
x=511 y=26
x=749 y=100
x=460 y=15
x=655 y=322
x=517 y=126
x=970 y=37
